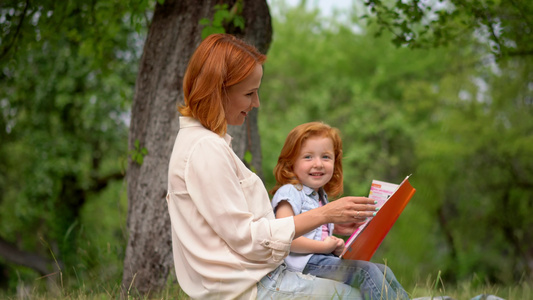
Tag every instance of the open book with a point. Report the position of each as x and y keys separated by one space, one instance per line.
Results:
x=392 y=199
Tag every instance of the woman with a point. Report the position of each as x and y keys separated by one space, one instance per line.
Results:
x=226 y=241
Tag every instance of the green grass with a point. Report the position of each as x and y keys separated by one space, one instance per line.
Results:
x=169 y=292
x=468 y=289
x=464 y=291
x=61 y=288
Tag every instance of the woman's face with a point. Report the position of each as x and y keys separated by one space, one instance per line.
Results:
x=243 y=97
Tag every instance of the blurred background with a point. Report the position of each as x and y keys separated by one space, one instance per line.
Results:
x=456 y=112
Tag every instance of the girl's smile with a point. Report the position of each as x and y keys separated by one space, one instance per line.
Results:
x=315 y=163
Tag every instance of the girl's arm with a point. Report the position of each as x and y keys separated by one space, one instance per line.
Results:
x=303 y=244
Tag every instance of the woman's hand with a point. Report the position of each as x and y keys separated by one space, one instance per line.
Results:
x=346 y=210
x=350 y=210
x=346 y=229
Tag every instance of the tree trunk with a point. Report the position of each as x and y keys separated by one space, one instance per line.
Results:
x=173 y=36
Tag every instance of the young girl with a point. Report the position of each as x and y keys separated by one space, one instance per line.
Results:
x=309 y=169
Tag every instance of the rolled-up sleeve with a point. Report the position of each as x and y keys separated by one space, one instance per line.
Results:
x=235 y=203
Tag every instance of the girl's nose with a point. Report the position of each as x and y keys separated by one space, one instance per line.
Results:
x=317 y=163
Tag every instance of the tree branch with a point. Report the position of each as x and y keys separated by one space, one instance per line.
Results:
x=12 y=254
x=19 y=26
x=102 y=182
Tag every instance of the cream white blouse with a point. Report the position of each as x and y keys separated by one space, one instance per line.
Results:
x=225 y=237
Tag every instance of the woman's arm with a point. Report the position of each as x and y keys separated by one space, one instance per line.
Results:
x=236 y=210
x=343 y=210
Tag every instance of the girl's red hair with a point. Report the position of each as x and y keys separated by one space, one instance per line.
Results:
x=284 y=173
x=220 y=61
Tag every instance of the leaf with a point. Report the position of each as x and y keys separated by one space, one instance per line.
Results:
x=218 y=7
x=238 y=21
x=220 y=16
x=211 y=30
x=248 y=157
x=205 y=21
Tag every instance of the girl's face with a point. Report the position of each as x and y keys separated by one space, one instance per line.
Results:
x=315 y=163
x=243 y=97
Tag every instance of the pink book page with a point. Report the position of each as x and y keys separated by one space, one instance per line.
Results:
x=380 y=191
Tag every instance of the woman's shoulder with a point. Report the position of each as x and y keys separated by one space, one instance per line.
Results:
x=196 y=144
x=198 y=136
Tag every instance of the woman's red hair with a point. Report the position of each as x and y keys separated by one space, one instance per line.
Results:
x=284 y=173
x=220 y=61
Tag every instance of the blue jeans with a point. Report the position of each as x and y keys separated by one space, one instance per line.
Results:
x=376 y=281
x=284 y=284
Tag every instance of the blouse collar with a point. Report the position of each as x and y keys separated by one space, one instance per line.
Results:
x=192 y=122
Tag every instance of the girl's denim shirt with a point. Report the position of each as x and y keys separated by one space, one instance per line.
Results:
x=302 y=198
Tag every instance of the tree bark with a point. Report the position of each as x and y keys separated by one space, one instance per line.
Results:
x=258 y=32
x=173 y=36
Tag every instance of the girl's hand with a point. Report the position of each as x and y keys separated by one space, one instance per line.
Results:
x=331 y=244
x=340 y=246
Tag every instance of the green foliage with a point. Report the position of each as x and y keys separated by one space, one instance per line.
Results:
x=248 y=160
x=222 y=18
x=66 y=83
x=321 y=73
x=137 y=154
x=456 y=119
x=503 y=26
x=103 y=232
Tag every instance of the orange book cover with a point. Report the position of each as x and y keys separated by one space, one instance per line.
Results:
x=366 y=242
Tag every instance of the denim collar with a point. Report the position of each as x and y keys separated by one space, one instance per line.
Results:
x=310 y=192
